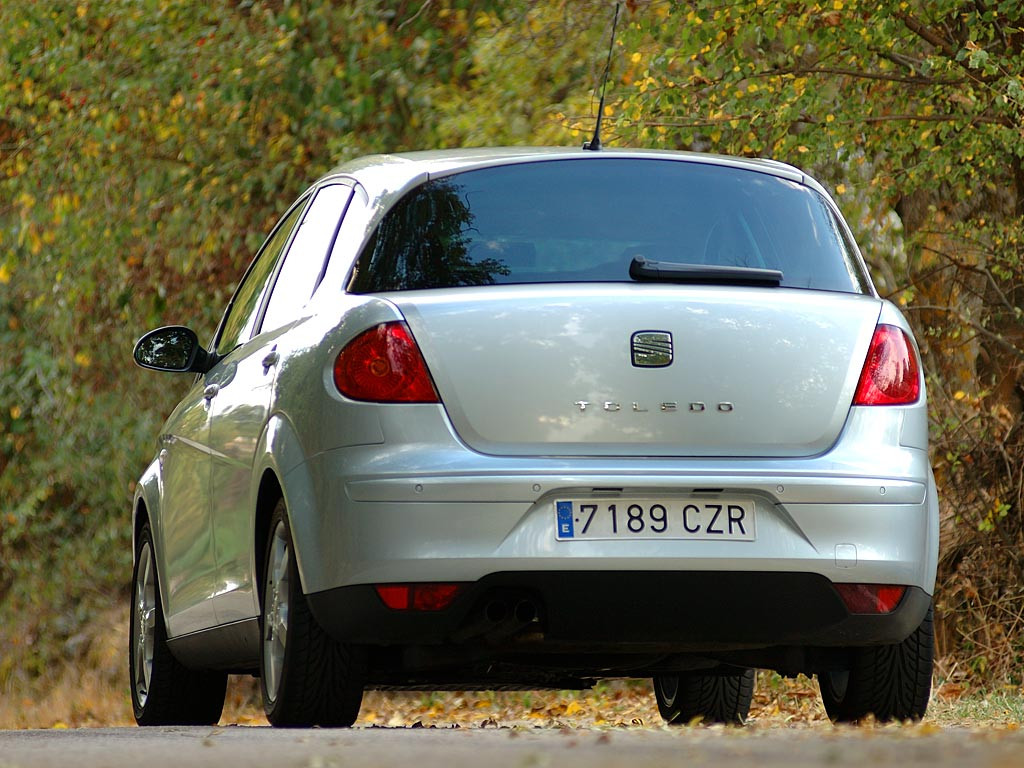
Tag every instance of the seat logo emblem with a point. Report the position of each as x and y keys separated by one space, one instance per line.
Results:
x=651 y=349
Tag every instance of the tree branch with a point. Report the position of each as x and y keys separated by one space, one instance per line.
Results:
x=926 y=34
x=943 y=45
x=916 y=80
x=976 y=120
x=811 y=120
x=982 y=272
x=415 y=16
x=980 y=330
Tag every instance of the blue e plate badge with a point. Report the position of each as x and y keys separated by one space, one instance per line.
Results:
x=564 y=513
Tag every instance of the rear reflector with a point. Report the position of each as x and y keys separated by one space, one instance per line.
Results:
x=891 y=372
x=418 y=597
x=395 y=596
x=384 y=365
x=870 y=598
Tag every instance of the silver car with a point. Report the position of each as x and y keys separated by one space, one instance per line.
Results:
x=531 y=418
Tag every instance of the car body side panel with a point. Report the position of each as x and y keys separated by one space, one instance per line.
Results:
x=309 y=417
x=278 y=452
x=189 y=567
x=239 y=414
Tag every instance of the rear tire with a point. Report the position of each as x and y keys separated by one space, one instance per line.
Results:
x=711 y=698
x=306 y=677
x=164 y=691
x=890 y=682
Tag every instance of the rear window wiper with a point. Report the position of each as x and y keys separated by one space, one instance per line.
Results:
x=644 y=269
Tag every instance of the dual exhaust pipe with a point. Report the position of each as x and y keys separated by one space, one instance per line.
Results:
x=499 y=620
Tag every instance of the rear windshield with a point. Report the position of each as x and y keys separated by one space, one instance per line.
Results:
x=585 y=220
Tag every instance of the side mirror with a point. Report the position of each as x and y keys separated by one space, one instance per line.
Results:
x=173 y=348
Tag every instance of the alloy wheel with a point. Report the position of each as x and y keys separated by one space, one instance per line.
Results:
x=144 y=624
x=275 y=625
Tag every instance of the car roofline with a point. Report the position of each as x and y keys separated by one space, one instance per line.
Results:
x=383 y=172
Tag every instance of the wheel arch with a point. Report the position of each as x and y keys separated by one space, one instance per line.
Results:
x=146 y=501
x=284 y=475
x=146 y=509
x=270 y=491
x=140 y=516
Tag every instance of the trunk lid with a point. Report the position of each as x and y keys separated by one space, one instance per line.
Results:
x=548 y=370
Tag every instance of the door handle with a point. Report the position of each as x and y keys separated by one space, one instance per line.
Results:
x=271 y=359
x=211 y=391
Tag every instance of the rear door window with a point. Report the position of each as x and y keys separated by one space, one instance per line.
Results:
x=306 y=260
x=240 y=319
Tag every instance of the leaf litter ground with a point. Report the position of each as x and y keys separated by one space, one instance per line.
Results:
x=92 y=691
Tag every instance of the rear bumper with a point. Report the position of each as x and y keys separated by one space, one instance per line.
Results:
x=433 y=511
x=421 y=507
x=624 y=612
x=465 y=527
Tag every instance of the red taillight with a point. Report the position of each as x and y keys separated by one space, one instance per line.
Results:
x=870 y=598
x=891 y=374
x=384 y=365
x=418 y=597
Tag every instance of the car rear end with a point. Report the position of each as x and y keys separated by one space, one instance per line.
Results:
x=563 y=471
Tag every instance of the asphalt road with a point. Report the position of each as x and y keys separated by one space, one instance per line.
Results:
x=906 y=747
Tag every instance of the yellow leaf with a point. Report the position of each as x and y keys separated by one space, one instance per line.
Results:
x=35 y=242
x=840 y=189
x=5 y=274
x=82 y=359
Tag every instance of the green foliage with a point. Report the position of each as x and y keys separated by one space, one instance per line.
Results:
x=147 y=147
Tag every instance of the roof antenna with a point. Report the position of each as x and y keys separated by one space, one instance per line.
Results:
x=594 y=144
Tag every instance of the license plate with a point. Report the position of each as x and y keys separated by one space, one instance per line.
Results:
x=704 y=519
